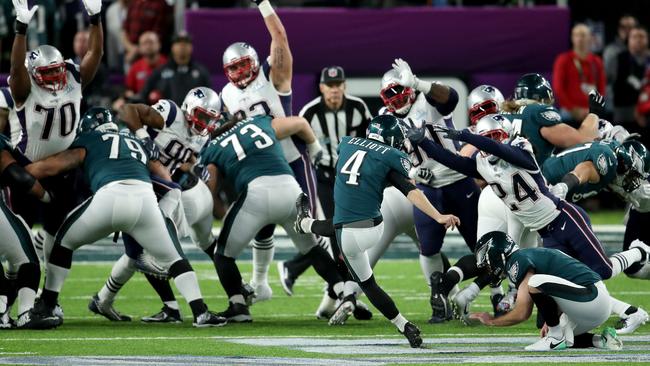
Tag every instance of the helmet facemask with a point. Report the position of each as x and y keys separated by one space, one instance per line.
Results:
x=480 y=110
x=201 y=121
x=51 y=77
x=397 y=98
x=241 y=71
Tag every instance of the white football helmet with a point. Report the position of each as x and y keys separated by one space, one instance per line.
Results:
x=46 y=65
x=494 y=126
x=241 y=64
x=202 y=110
x=483 y=100
x=397 y=98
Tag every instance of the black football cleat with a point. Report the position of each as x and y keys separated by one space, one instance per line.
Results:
x=209 y=319
x=165 y=315
x=440 y=309
x=42 y=316
x=106 y=309
x=362 y=311
x=286 y=279
x=412 y=334
x=236 y=313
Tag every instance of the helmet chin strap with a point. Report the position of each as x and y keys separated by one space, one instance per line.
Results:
x=404 y=110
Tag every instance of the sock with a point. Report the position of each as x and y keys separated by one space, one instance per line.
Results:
x=473 y=291
x=547 y=308
x=430 y=264
x=587 y=340
x=237 y=299
x=55 y=277
x=49 y=297
x=339 y=289
x=3 y=304
x=229 y=274
x=188 y=285
x=555 y=332
x=26 y=297
x=121 y=272
x=263 y=251
x=399 y=321
x=305 y=224
x=198 y=307
x=172 y=304
x=621 y=261
x=349 y=288
x=324 y=265
x=450 y=279
x=48 y=244
x=298 y=265
x=619 y=307
x=379 y=298
x=162 y=288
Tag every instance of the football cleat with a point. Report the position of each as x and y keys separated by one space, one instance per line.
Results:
x=106 y=309
x=460 y=304
x=632 y=322
x=343 y=312
x=302 y=207
x=58 y=311
x=609 y=340
x=644 y=248
x=236 y=313
x=362 y=311
x=165 y=315
x=209 y=319
x=44 y=315
x=547 y=343
x=262 y=291
x=248 y=293
x=326 y=308
x=5 y=320
x=286 y=280
x=29 y=320
x=412 y=333
x=440 y=309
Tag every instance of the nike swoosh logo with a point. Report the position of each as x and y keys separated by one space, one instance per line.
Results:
x=555 y=345
x=563 y=225
x=469 y=195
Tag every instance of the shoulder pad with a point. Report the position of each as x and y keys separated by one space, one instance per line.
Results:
x=522 y=143
x=167 y=109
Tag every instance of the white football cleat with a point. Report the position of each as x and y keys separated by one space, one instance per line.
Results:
x=644 y=247
x=461 y=303
x=609 y=340
x=326 y=308
x=547 y=343
x=263 y=291
x=344 y=311
x=632 y=322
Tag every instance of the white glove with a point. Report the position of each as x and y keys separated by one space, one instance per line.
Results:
x=23 y=13
x=315 y=152
x=421 y=174
x=93 y=7
x=406 y=77
x=560 y=190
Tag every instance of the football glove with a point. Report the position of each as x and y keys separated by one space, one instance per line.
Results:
x=406 y=77
x=415 y=134
x=560 y=190
x=315 y=152
x=201 y=172
x=449 y=133
x=596 y=103
x=23 y=13
x=151 y=148
x=421 y=174
x=93 y=7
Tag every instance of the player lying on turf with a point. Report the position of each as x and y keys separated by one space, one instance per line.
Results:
x=365 y=167
x=571 y=297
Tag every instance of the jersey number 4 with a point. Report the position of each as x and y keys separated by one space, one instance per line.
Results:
x=262 y=140
x=523 y=191
x=137 y=152
x=352 y=166
x=66 y=117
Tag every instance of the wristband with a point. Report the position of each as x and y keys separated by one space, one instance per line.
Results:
x=141 y=133
x=266 y=9
x=94 y=19
x=314 y=148
x=571 y=181
x=20 y=27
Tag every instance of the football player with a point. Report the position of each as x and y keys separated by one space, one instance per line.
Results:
x=179 y=133
x=249 y=155
x=46 y=96
x=421 y=103
x=264 y=88
x=115 y=164
x=364 y=168
x=571 y=297
x=17 y=246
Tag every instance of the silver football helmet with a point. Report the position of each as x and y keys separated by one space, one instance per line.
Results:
x=202 y=110
x=483 y=100
x=241 y=64
x=494 y=126
x=397 y=98
x=46 y=65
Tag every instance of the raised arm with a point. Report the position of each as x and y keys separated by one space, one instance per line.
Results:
x=136 y=116
x=58 y=163
x=19 y=82
x=441 y=96
x=281 y=58
x=92 y=58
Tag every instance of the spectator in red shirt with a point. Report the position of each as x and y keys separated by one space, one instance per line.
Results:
x=575 y=73
x=149 y=49
x=142 y=16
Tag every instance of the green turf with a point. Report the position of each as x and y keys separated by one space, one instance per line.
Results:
x=606 y=217
x=86 y=334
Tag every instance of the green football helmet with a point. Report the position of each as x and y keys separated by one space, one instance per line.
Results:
x=96 y=117
x=493 y=251
x=535 y=87
x=633 y=164
x=388 y=129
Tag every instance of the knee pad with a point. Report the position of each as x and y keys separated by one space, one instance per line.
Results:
x=29 y=274
x=179 y=267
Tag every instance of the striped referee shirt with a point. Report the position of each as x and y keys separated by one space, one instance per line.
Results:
x=330 y=126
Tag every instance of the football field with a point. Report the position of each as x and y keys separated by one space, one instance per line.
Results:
x=284 y=330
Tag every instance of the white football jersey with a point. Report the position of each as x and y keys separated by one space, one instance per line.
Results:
x=261 y=98
x=47 y=122
x=175 y=141
x=524 y=192
x=422 y=112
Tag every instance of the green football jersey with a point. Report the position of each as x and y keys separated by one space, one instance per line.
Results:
x=361 y=176
x=550 y=262
x=529 y=120
x=247 y=151
x=601 y=154
x=112 y=156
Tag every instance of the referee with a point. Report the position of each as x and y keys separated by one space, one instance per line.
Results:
x=332 y=115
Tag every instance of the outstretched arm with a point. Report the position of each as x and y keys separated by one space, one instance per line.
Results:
x=522 y=311
x=92 y=58
x=136 y=116
x=281 y=58
x=442 y=97
x=18 y=179
x=445 y=157
x=55 y=164
x=19 y=82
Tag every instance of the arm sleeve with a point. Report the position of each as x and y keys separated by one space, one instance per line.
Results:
x=445 y=157
x=400 y=182
x=512 y=154
x=447 y=107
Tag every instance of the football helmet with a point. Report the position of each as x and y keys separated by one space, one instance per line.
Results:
x=633 y=164
x=483 y=100
x=97 y=118
x=46 y=65
x=397 y=98
x=494 y=126
x=241 y=64
x=534 y=87
x=494 y=249
x=202 y=110
x=387 y=129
